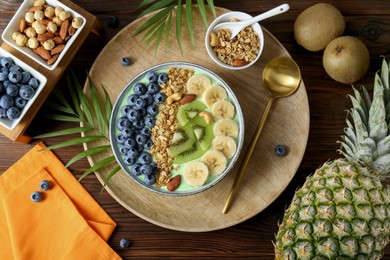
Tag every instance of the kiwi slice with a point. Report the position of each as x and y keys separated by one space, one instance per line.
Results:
x=204 y=132
x=182 y=140
x=188 y=111
x=191 y=154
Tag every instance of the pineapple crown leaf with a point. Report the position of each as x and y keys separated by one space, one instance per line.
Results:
x=366 y=138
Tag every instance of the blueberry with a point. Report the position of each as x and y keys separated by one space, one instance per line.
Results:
x=36 y=196
x=131 y=99
x=125 y=110
x=12 y=90
x=133 y=115
x=153 y=88
x=159 y=98
x=3 y=75
x=149 y=179
x=280 y=150
x=127 y=132
x=154 y=166
x=140 y=88
x=124 y=243
x=140 y=103
x=14 y=76
x=150 y=121
x=140 y=149
x=6 y=101
x=132 y=153
x=125 y=61
x=34 y=83
x=2 y=88
x=128 y=160
x=45 y=185
x=148 y=99
x=145 y=158
x=113 y=21
x=141 y=139
x=145 y=131
x=162 y=78
x=26 y=76
x=7 y=82
x=20 y=102
x=139 y=124
x=142 y=112
x=152 y=110
x=120 y=139
x=13 y=113
x=146 y=169
x=130 y=143
x=15 y=67
x=136 y=169
x=123 y=122
x=123 y=150
x=26 y=92
x=3 y=112
x=148 y=145
x=151 y=76
x=6 y=62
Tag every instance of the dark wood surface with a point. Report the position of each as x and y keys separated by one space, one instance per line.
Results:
x=252 y=239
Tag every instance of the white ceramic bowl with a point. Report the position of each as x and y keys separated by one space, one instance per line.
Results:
x=13 y=26
x=11 y=124
x=227 y=17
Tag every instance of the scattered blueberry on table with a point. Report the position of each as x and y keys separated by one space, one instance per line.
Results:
x=125 y=61
x=124 y=243
x=280 y=150
x=113 y=21
x=36 y=196
x=45 y=185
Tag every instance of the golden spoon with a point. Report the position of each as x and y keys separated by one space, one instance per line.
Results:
x=281 y=78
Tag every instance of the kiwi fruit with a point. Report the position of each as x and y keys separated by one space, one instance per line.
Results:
x=188 y=111
x=193 y=153
x=182 y=140
x=346 y=59
x=203 y=132
x=317 y=25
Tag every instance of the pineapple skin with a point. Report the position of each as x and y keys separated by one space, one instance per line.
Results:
x=341 y=212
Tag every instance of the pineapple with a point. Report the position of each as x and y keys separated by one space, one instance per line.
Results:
x=343 y=209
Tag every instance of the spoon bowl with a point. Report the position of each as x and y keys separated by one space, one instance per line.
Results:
x=281 y=78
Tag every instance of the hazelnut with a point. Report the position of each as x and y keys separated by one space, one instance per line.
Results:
x=14 y=35
x=40 y=28
x=49 y=11
x=57 y=21
x=39 y=2
x=38 y=15
x=29 y=17
x=49 y=44
x=52 y=27
x=32 y=43
x=64 y=15
x=58 y=10
x=77 y=22
x=21 y=39
x=30 y=32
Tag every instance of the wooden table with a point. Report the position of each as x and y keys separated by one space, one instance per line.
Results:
x=252 y=239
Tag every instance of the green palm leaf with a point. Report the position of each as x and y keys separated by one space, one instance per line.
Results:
x=189 y=21
x=89 y=152
x=103 y=163
x=178 y=25
x=68 y=131
x=112 y=173
x=79 y=140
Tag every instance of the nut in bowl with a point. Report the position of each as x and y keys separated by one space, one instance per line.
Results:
x=20 y=85
x=43 y=30
x=240 y=52
x=177 y=129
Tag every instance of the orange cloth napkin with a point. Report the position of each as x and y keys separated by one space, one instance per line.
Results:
x=67 y=224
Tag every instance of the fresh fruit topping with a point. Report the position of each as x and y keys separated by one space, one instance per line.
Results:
x=197 y=84
x=187 y=98
x=280 y=150
x=195 y=173
x=214 y=94
x=149 y=179
x=226 y=127
x=45 y=185
x=203 y=132
x=215 y=162
x=162 y=78
x=113 y=21
x=174 y=183
x=140 y=88
x=193 y=153
x=225 y=144
x=188 y=111
x=36 y=196
x=223 y=109
x=124 y=243
x=182 y=140
x=151 y=76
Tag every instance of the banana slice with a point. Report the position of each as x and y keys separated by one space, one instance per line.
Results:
x=224 y=144
x=222 y=109
x=215 y=162
x=226 y=127
x=195 y=173
x=213 y=94
x=197 y=84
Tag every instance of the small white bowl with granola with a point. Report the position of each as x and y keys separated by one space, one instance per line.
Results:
x=237 y=53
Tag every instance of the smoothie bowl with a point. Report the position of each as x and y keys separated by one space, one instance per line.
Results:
x=176 y=129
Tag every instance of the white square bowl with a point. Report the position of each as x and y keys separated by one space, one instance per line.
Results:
x=11 y=124
x=13 y=26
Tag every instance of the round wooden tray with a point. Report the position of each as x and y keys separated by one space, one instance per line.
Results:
x=267 y=175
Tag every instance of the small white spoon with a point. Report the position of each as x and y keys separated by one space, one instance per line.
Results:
x=236 y=27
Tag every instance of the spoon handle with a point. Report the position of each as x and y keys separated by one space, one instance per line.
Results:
x=274 y=11
x=247 y=157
